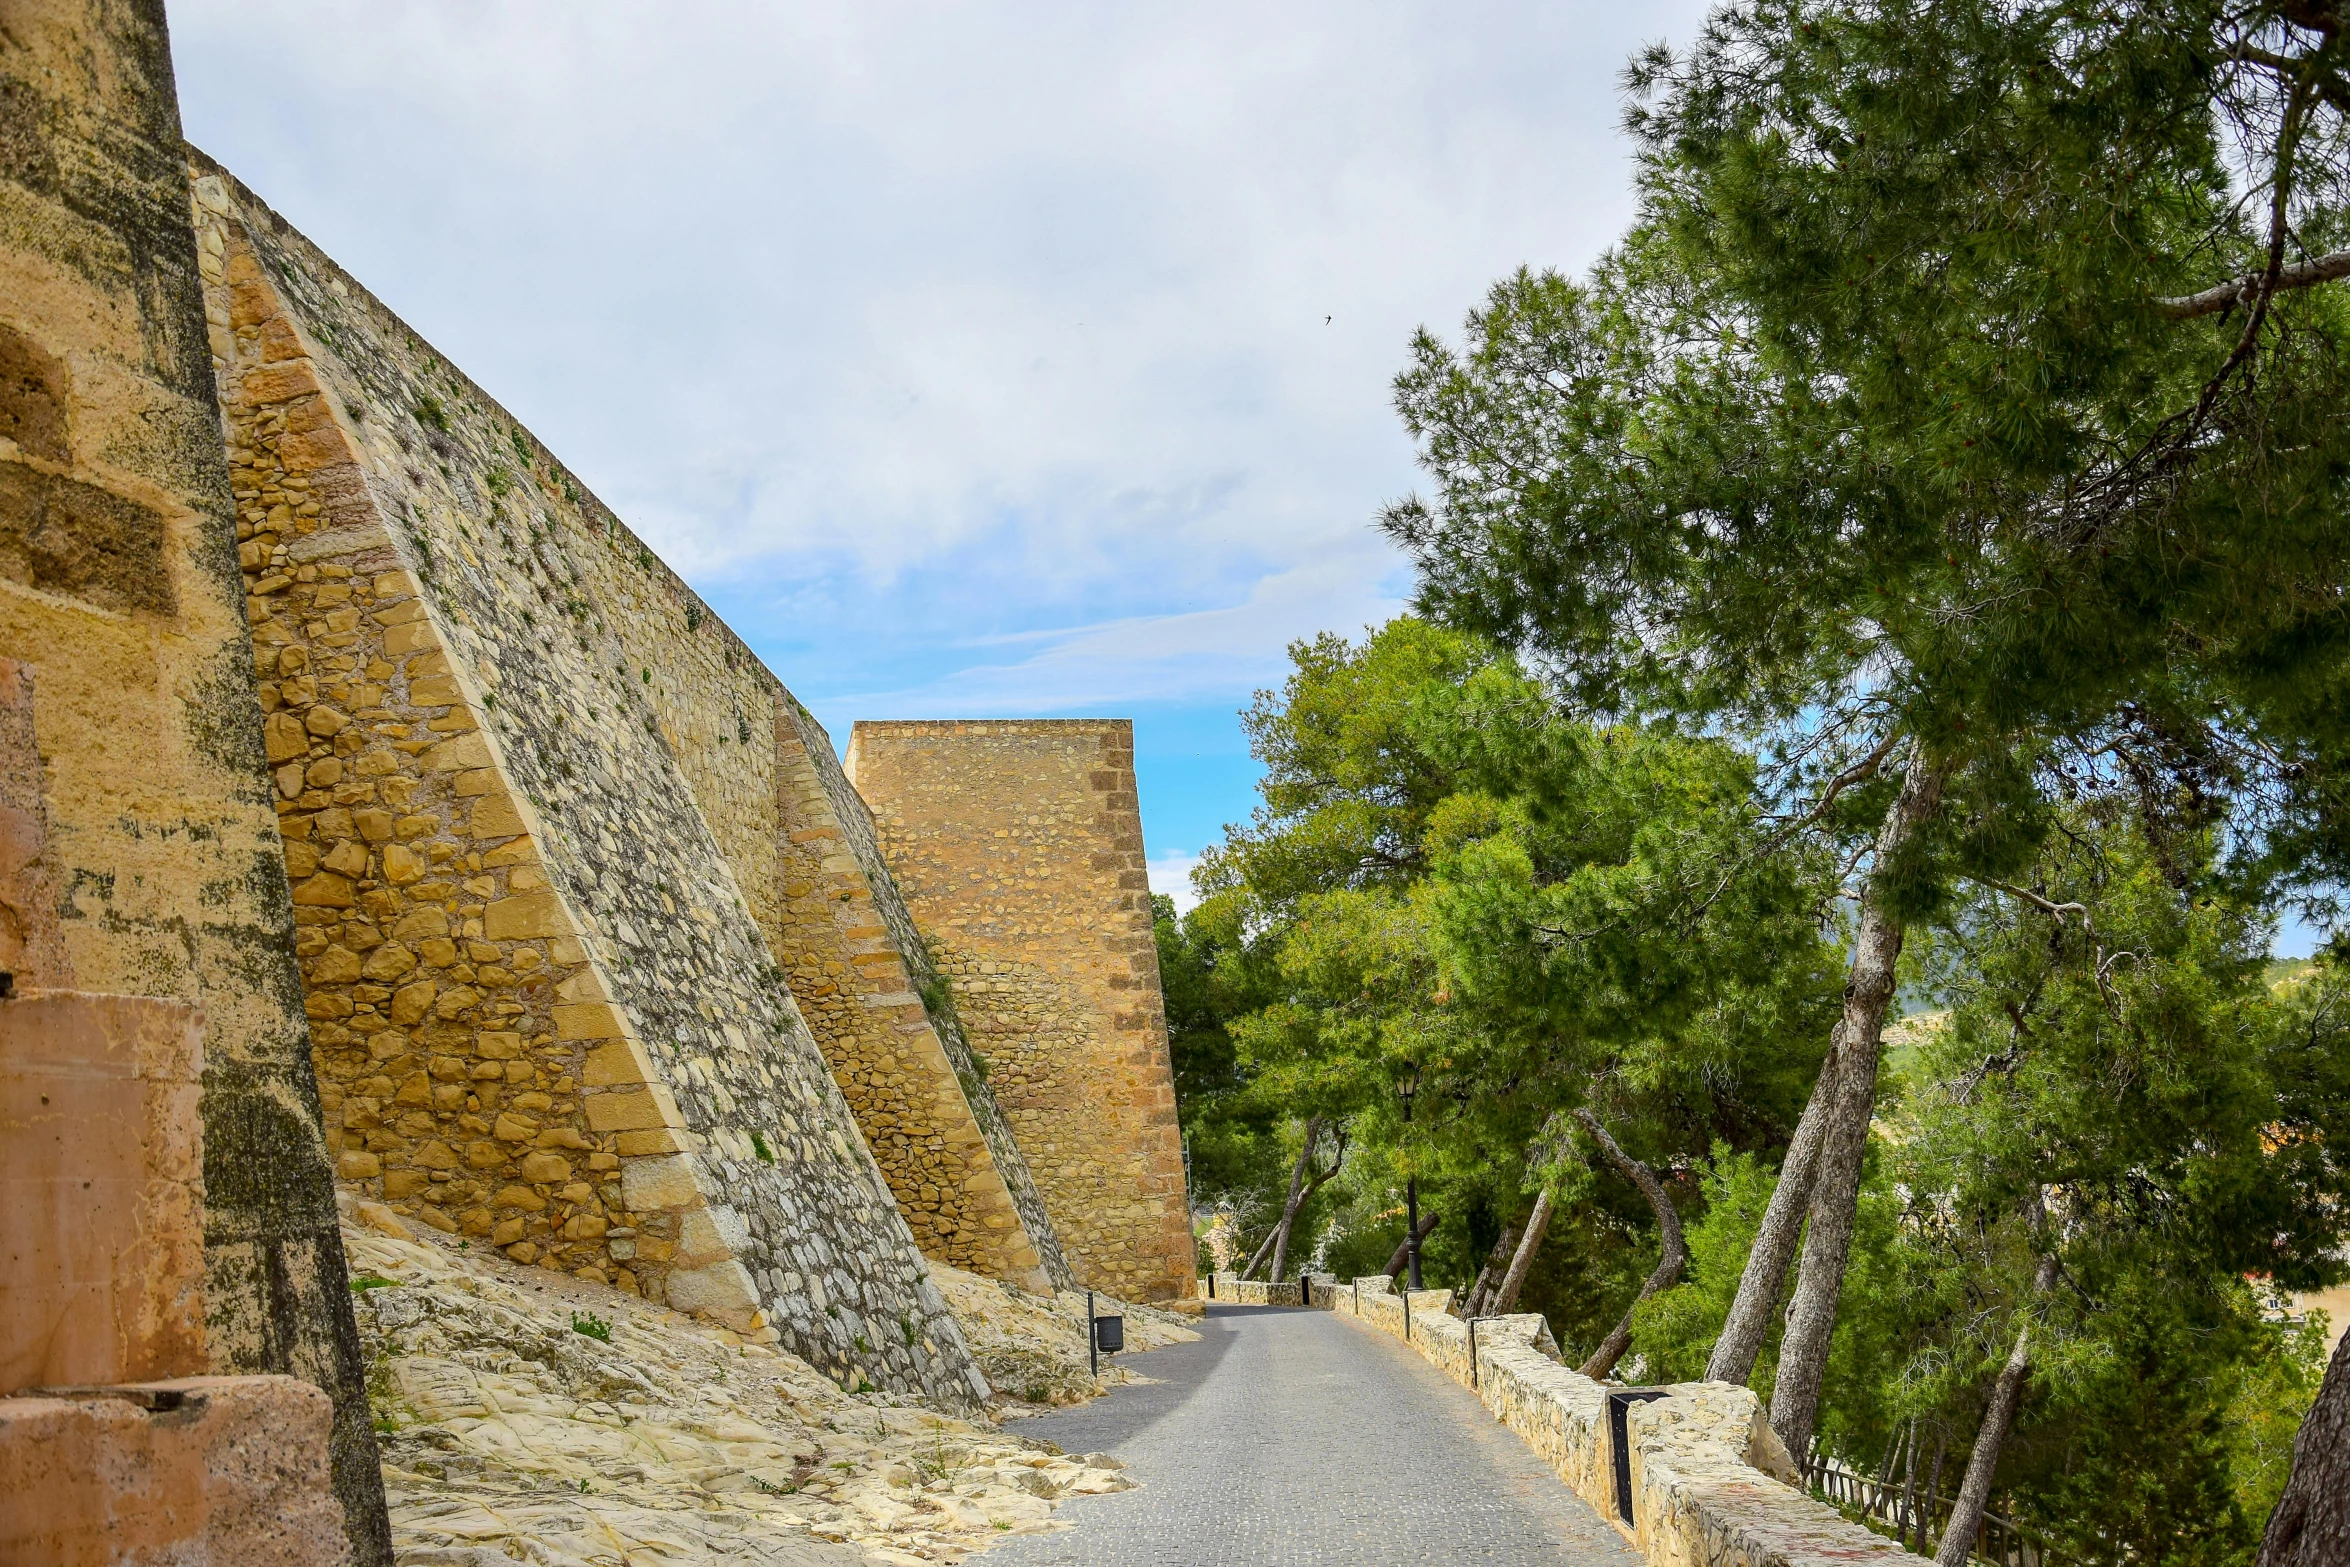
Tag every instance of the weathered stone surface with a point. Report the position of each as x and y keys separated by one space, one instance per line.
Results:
x=860 y=973
x=195 y=1472
x=101 y=1190
x=122 y=606
x=514 y=1434
x=1018 y=847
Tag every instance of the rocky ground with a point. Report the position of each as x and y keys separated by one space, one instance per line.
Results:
x=1032 y=1347
x=529 y=1416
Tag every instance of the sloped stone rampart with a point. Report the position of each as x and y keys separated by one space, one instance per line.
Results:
x=1701 y=1496
x=1017 y=845
x=860 y=981
x=459 y=606
x=894 y=962
x=139 y=856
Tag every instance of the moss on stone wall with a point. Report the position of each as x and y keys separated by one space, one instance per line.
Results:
x=119 y=591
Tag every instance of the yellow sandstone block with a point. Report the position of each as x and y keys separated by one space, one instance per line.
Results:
x=627 y=1112
x=586 y=1020
x=525 y=917
x=459 y=755
x=619 y=1063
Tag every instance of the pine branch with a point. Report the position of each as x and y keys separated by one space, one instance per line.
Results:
x=2226 y=296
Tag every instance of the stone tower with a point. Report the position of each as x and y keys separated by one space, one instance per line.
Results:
x=1018 y=847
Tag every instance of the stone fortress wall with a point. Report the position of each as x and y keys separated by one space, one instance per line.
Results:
x=864 y=979
x=1018 y=847
x=579 y=881
x=383 y=778
x=548 y=1011
x=145 y=929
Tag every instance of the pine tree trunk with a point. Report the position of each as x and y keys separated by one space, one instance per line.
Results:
x=2311 y=1526
x=1933 y=1484
x=1905 y=1526
x=1844 y=1134
x=1974 y=1492
x=1668 y=1268
x=1403 y=1248
x=1297 y=1197
x=1757 y=1300
x=1505 y=1245
x=1264 y=1250
x=1506 y=1298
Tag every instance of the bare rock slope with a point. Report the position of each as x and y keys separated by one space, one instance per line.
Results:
x=530 y=1416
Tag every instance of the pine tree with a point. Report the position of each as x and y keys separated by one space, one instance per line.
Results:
x=1965 y=407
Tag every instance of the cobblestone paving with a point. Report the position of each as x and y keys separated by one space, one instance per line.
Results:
x=1289 y=1437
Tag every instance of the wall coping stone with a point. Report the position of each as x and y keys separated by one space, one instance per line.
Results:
x=1711 y=1484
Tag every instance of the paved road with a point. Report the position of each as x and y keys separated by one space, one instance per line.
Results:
x=1294 y=1439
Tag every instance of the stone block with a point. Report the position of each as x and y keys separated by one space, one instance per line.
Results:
x=629 y=1112
x=648 y=1185
x=462 y=754
x=620 y=1063
x=709 y=1235
x=526 y=917
x=101 y=1190
x=196 y=1472
x=587 y=1020
x=721 y=1290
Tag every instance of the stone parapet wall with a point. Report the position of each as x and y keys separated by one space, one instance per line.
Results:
x=1711 y=1486
x=1230 y=1289
x=1017 y=845
x=599 y=992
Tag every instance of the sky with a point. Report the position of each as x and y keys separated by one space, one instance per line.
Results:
x=973 y=361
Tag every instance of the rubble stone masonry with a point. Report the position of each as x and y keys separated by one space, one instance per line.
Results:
x=860 y=973
x=1017 y=845
x=534 y=806
x=140 y=862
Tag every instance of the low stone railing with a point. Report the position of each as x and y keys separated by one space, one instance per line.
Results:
x=1710 y=1484
x=1230 y=1289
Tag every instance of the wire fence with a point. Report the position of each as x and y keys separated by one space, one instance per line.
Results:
x=1916 y=1517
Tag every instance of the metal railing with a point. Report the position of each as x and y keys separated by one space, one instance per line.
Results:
x=1912 y=1517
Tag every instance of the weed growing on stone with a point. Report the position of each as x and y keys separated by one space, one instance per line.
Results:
x=430 y=410
x=372 y=1281
x=767 y=1155
x=592 y=1326
x=863 y=1348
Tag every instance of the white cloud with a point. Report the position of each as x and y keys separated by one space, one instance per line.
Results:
x=1058 y=316
x=1171 y=877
